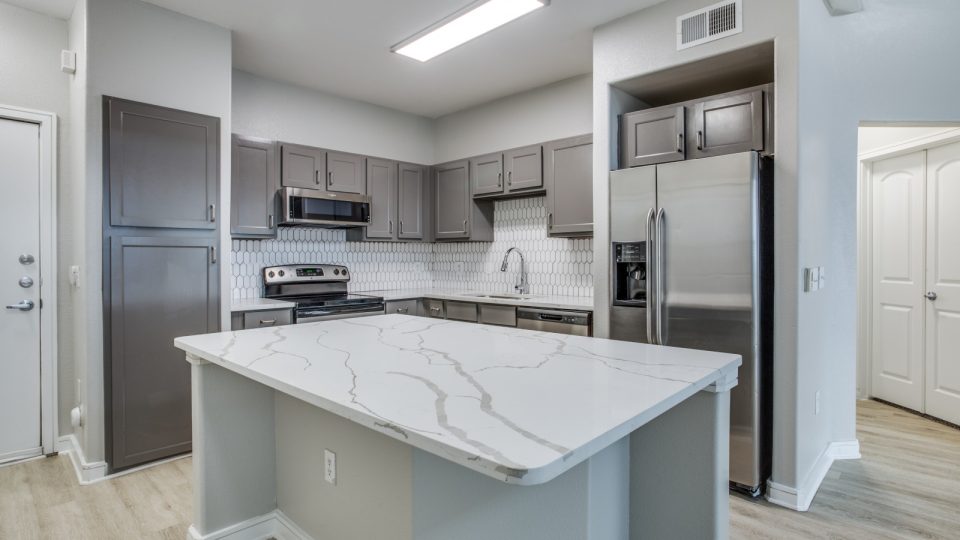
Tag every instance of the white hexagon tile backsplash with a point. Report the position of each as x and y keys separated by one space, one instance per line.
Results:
x=554 y=265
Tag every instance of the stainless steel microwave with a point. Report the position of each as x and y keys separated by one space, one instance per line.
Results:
x=317 y=208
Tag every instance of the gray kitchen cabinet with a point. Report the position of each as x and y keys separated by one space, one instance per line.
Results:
x=568 y=177
x=652 y=136
x=245 y=320
x=160 y=288
x=486 y=174
x=345 y=173
x=382 y=188
x=523 y=168
x=461 y=311
x=498 y=314
x=430 y=307
x=403 y=307
x=456 y=215
x=161 y=165
x=728 y=124
x=302 y=166
x=253 y=189
x=412 y=201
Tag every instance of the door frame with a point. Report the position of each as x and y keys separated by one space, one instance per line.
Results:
x=865 y=212
x=48 y=268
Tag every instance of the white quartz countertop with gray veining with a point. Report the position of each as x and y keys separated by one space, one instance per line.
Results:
x=532 y=300
x=518 y=405
x=259 y=304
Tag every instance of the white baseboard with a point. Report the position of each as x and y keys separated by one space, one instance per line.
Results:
x=800 y=498
x=276 y=525
x=87 y=472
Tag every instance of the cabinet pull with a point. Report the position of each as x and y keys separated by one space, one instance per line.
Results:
x=549 y=221
x=700 y=140
x=270 y=221
x=464 y=225
x=213 y=254
x=316 y=176
x=213 y=213
x=329 y=178
x=268 y=322
x=680 y=142
x=499 y=179
x=400 y=230
x=510 y=178
x=390 y=230
x=402 y=310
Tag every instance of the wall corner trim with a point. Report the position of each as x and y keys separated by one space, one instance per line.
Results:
x=87 y=472
x=801 y=497
x=276 y=525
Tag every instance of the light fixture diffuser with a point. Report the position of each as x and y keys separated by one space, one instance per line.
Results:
x=471 y=22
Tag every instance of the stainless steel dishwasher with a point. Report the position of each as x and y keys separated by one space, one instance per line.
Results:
x=578 y=323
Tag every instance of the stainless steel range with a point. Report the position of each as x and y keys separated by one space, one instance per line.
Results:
x=319 y=291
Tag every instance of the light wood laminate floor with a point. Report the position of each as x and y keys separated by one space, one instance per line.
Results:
x=906 y=486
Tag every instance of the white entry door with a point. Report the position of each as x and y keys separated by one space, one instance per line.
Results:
x=943 y=283
x=19 y=290
x=898 y=280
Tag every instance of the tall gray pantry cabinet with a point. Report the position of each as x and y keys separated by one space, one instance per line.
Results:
x=160 y=271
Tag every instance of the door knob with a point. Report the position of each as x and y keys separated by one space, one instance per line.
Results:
x=26 y=282
x=26 y=259
x=931 y=295
x=24 y=305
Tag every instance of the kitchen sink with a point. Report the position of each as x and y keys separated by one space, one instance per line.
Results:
x=505 y=296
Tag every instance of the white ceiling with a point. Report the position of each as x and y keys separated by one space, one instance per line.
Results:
x=342 y=46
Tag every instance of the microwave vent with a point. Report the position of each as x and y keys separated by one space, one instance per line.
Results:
x=709 y=24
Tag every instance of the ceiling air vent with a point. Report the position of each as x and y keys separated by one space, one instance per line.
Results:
x=710 y=23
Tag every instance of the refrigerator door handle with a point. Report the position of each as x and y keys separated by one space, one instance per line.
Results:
x=650 y=276
x=658 y=256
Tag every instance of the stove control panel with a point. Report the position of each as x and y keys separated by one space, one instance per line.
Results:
x=305 y=273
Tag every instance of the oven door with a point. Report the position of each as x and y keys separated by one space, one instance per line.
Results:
x=308 y=315
x=324 y=209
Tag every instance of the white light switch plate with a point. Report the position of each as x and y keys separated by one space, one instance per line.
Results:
x=329 y=467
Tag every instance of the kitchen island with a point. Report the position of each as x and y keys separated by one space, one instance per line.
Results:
x=443 y=429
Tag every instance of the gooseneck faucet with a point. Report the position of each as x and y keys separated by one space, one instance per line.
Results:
x=521 y=287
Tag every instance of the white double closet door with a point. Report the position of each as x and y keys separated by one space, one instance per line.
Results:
x=916 y=281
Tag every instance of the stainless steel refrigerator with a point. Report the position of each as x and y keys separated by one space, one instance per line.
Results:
x=692 y=256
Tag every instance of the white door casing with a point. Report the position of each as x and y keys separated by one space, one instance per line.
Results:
x=943 y=280
x=20 y=366
x=898 y=279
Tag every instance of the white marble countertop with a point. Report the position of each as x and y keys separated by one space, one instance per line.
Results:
x=259 y=304
x=540 y=301
x=518 y=405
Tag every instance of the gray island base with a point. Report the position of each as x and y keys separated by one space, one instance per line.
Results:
x=450 y=430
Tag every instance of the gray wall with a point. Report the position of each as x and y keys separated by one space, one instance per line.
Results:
x=645 y=42
x=558 y=110
x=891 y=62
x=30 y=78
x=276 y=110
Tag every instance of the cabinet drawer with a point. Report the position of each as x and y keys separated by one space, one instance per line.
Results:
x=404 y=307
x=432 y=308
x=273 y=317
x=461 y=311
x=497 y=314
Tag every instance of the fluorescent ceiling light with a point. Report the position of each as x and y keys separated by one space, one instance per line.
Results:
x=473 y=21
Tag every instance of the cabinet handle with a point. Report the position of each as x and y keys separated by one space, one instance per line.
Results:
x=316 y=176
x=510 y=178
x=464 y=225
x=268 y=322
x=402 y=310
x=549 y=221
x=270 y=221
x=400 y=230
x=213 y=213
x=700 y=140
x=329 y=179
x=499 y=179
x=391 y=226
x=680 y=142
x=213 y=255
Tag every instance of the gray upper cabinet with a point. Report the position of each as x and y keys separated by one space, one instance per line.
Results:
x=345 y=173
x=453 y=200
x=163 y=166
x=411 y=196
x=486 y=174
x=302 y=166
x=568 y=175
x=382 y=188
x=728 y=124
x=524 y=168
x=253 y=190
x=652 y=136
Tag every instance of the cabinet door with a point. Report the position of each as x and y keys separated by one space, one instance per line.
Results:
x=162 y=166
x=453 y=200
x=728 y=125
x=302 y=166
x=568 y=176
x=461 y=311
x=652 y=136
x=160 y=288
x=382 y=188
x=412 y=186
x=345 y=173
x=486 y=174
x=524 y=168
x=253 y=189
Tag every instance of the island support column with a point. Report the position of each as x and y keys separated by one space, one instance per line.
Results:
x=234 y=453
x=680 y=469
